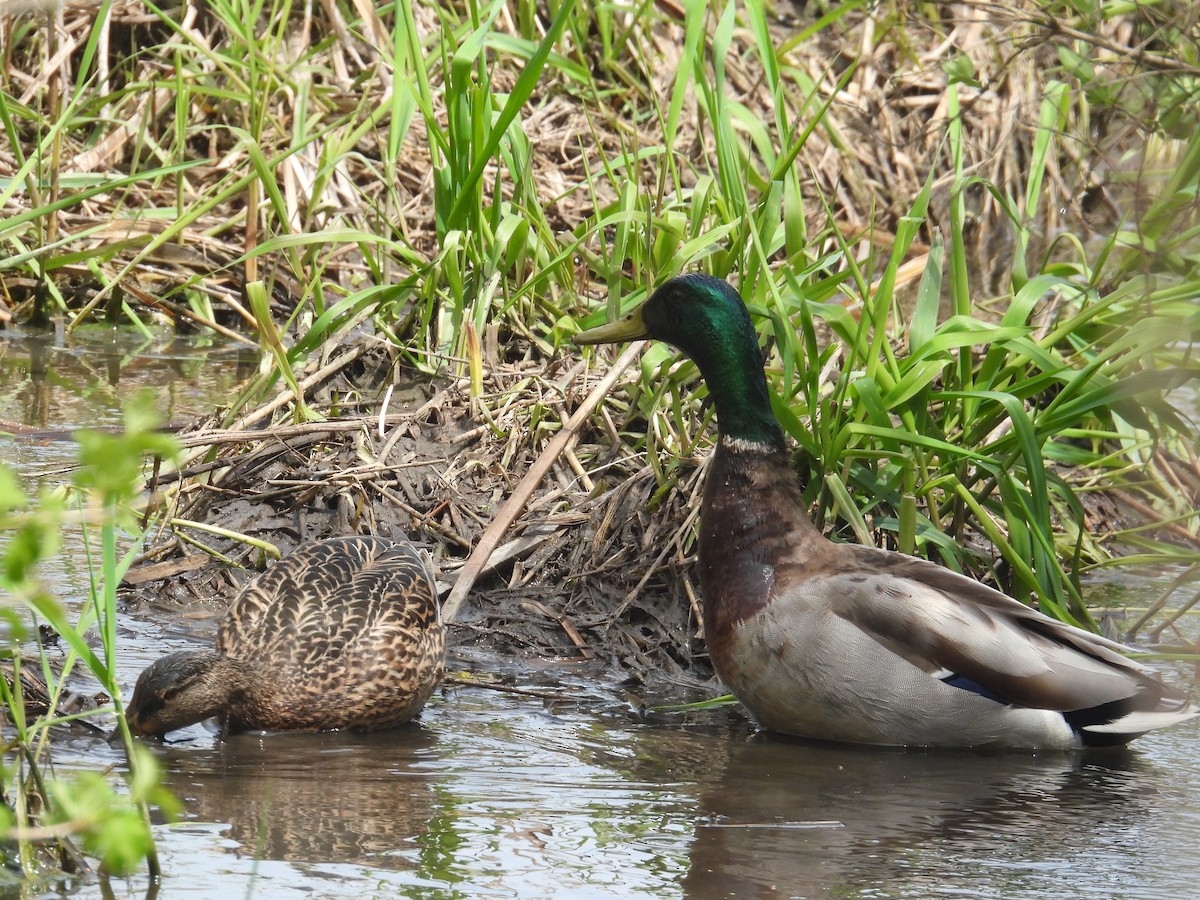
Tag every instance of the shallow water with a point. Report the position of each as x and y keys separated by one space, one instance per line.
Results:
x=494 y=795
x=497 y=795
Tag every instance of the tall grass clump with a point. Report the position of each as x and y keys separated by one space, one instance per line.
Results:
x=928 y=412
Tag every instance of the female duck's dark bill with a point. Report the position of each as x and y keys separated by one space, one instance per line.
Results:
x=630 y=328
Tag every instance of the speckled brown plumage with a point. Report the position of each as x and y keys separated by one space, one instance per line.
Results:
x=342 y=633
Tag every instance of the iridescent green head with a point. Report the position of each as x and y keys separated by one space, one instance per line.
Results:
x=706 y=319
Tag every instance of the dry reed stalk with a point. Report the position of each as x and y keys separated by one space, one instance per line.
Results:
x=520 y=495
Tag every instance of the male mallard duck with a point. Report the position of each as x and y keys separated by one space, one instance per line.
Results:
x=849 y=643
x=343 y=633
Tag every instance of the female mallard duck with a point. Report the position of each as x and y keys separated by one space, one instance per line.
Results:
x=849 y=643
x=343 y=633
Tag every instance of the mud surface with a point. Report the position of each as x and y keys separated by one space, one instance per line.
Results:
x=600 y=577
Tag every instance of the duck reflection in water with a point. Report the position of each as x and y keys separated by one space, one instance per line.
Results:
x=796 y=819
x=313 y=798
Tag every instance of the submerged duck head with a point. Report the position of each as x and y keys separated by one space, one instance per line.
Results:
x=181 y=689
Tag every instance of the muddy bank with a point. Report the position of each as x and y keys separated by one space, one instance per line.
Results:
x=596 y=569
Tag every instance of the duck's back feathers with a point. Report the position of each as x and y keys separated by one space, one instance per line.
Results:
x=329 y=597
x=350 y=630
x=874 y=659
x=977 y=639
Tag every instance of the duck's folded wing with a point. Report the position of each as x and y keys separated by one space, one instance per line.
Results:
x=306 y=605
x=973 y=637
